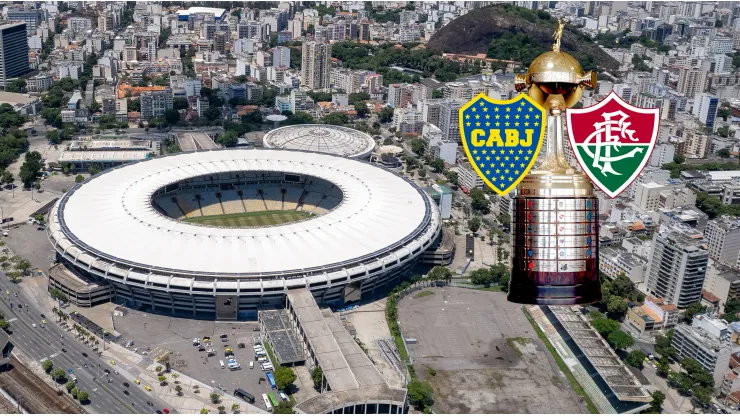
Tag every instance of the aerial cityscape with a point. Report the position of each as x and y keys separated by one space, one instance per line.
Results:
x=309 y=207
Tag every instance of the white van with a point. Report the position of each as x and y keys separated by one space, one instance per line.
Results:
x=262 y=359
x=221 y=362
x=267 y=366
x=251 y=365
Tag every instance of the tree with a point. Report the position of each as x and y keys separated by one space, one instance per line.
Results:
x=79 y=178
x=18 y=85
x=693 y=309
x=605 y=326
x=47 y=365
x=503 y=284
x=723 y=153
x=385 y=115
x=221 y=408
x=283 y=408
x=162 y=380
x=656 y=405
x=172 y=116
x=420 y=394
x=215 y=397
x=438 y=165
x=439 y=274
x=417 y=146
x=479 y=202
x=317 y=375
x=57 y=374
x=204 y=411
x=635 y=358
x=620 y=340
x=75 y=391
x=178 y=389
x=663 y=366
x=23 y=266
x=31 y=168
x=702 y=395
x=616 y=307
x=284 y=377
x=481 y=277
x=336 y=119
x=69 y=386
x=691 y=365
x=180 y=103
x=474 y=224
x=4 y=325
x=679 y=159
x=361 y=109
x=234 y=407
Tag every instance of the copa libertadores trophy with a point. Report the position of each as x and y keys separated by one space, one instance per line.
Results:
x=555 y=228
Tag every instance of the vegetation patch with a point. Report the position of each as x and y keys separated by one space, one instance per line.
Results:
x=520 y=341
x=423 y=294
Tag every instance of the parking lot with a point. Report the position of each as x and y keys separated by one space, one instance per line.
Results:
x=155 y=334
x=486 y=356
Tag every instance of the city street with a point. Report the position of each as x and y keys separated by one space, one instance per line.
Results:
x=38 y=344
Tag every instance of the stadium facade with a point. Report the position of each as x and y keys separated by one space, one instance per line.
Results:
x=139 y=228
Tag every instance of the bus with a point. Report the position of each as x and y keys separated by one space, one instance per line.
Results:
x=267 y=402
x=243 y=395
x=273 y=399
x=271 y=380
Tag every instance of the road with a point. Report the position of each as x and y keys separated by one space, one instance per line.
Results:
x=42 y=343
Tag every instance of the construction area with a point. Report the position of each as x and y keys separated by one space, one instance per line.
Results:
x=481 y=355
x=32 y=393
x=190 y=142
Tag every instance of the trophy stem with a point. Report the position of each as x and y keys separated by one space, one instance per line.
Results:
x=554 y=159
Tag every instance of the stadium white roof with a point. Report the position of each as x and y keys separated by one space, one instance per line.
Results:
x=322 y=138
x=111 y=217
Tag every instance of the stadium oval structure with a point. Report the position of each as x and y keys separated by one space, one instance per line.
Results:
x=323 y=138
x=361 y=228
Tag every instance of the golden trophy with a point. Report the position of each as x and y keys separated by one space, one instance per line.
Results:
x=555 y=228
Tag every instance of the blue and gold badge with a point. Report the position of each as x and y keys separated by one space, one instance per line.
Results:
x=502 y=138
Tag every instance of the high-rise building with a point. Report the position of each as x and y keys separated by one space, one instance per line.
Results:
x=723 y=235
x=219 y=41
x=316 y=65
x=691 y=81
x=13 y=52
x=706 y=109
x=30 y=17
x=449 y=121
x=155 y=103
x=678 y=266
x=281 y=57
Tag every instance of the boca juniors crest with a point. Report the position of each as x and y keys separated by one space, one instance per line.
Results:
x=613 y=141
x=502 y=138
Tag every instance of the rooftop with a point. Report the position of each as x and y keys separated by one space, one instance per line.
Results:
x=598 y=352
x=349 y=372
x=104 y=156
x=323 y=138
x=16 y=99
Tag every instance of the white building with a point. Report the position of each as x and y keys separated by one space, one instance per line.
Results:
x=707 y=340
x=468 y=178
x=723 y=235
x=436 y=146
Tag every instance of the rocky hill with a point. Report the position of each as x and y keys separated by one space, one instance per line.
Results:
x=519 y=34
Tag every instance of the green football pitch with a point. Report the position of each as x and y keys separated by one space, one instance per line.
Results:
x=250 y=219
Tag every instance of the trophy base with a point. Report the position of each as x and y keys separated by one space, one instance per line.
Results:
x=555 y=288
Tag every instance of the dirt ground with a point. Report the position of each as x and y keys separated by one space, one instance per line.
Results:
x=481 y=355
x=371 y=325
